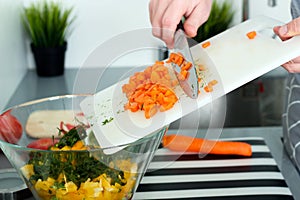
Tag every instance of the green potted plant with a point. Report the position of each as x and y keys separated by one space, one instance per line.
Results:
x=220 y=19
x=47 y=24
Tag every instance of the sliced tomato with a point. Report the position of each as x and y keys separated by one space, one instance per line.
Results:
x=43 y=143
x=65 y=127
x=10 y=128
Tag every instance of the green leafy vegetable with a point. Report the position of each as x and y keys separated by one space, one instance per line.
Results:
x=70 y=138
x=77 y=166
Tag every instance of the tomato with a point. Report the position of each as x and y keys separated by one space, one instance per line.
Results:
x=42 y=143
x=10 y=128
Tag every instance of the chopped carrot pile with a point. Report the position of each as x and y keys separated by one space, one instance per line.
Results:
x=206 y=44
x=251 y=35
x=157 y=73
x=151 y=97
x=150 y=90
x=184 y=65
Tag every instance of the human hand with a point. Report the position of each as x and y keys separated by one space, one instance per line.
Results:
x=166 y=14
x=286 y=32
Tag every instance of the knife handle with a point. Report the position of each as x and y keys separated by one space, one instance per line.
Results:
x=180 y=26
x=191 y=42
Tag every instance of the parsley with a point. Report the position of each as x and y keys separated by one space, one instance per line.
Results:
x=70 y=138
x=58 y=185
x=106 y=121
x=77 y=166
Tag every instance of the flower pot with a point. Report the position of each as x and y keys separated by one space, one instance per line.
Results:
x=49 y=61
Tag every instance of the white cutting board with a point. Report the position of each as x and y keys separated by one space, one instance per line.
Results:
x=237 y=60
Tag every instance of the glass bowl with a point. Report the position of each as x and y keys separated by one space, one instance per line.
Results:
x=70 y=171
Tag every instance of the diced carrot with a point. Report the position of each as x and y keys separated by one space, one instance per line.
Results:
x=176 y=58
x=159 y=62
x=201 y=67
x=156 y=97
x=147 y=86
x=186 y=66
x=208 y=88
x=148 y=71
x=174 y=83
x=127 y=106
x=134 y=107
x=206 y=44
x=160 y=98
x=155 y=77
x=151 y=111
x=185 y=74
x=251 y=35
x=168 y=93
x=213 y=82
x=166 y=107
x=140 y=76
x=139 y=99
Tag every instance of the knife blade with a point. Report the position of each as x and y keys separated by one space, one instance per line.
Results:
x=181 y=45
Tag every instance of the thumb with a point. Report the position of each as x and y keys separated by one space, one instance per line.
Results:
x=290 y=29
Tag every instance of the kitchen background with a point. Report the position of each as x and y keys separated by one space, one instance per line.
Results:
x=98 y=21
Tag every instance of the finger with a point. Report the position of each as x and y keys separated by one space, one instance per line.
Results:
x=167 y=36
x=171 y=18
x=156 y=11
x=290 y=29
x=292 y=67
x=197 y=17
x=276 y=31
x=150 y=9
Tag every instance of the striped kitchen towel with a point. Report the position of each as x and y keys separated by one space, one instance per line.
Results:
x=186 y=176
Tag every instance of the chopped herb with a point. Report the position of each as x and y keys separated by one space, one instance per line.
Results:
x=70 y=138
x=106 y=121
x=58 y=185
x=77 y=166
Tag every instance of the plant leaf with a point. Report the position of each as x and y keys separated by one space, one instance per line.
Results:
x=220 y=19
x=47 y=23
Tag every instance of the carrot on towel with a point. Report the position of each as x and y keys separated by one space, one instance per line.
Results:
x=185 y=143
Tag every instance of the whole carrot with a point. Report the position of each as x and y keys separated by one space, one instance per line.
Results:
x=185 y=143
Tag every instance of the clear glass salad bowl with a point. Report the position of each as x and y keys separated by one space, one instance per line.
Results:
x=61 y=159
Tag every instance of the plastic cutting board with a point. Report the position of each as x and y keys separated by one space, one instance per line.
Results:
x=232 y=59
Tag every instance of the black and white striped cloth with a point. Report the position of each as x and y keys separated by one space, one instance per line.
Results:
x=172 y=175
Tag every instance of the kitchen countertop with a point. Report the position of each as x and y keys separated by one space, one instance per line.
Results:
x=34 y=87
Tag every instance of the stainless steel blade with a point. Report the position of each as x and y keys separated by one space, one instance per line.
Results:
x=181 y=45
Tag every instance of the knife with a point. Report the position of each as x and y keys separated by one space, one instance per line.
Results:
x=181 y=45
